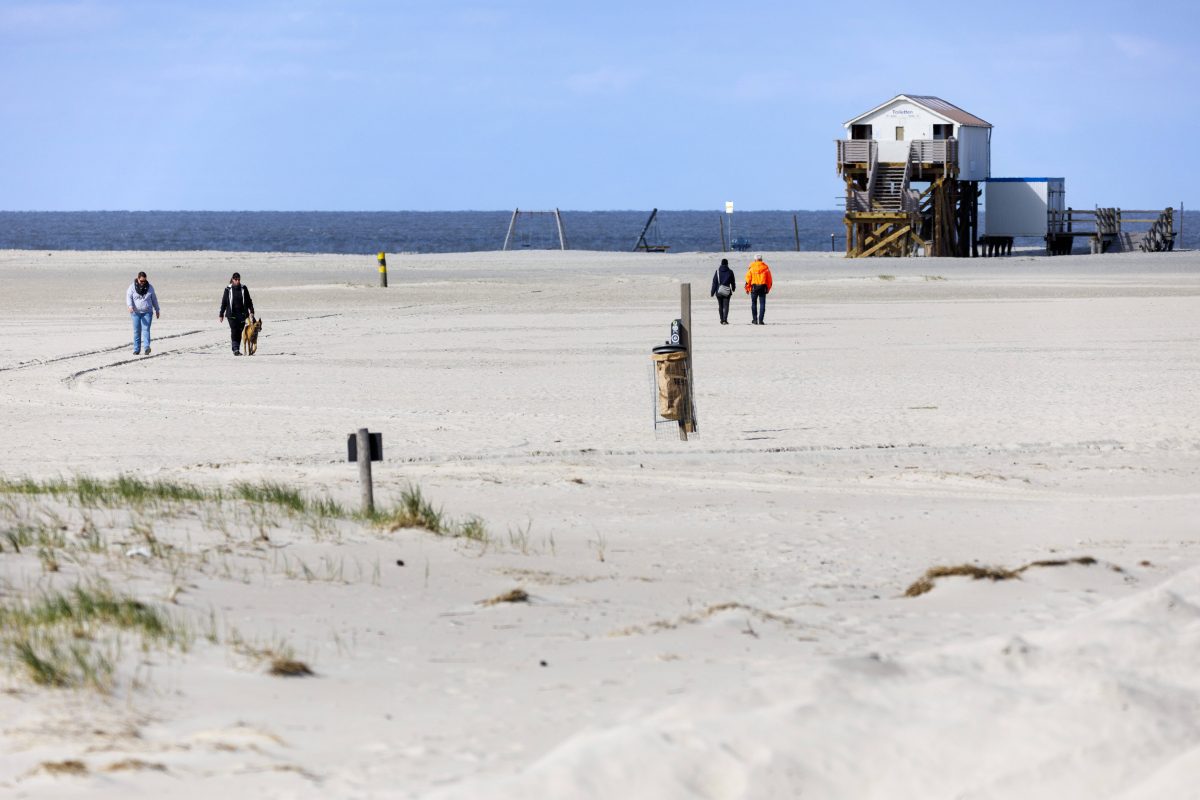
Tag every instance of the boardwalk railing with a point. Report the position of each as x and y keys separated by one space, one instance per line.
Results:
x=920 y=151
x=1150 y=231
x=858 y=200
x=857 y=151
x=933 y=151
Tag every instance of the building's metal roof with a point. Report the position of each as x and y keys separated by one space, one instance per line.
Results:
x=935 y=104
x=948 y=110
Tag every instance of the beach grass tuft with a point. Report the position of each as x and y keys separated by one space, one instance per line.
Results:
x=271 y=493
x=131 y=491
x=472 y=528
x=925 y=582
x=511 y=596
x=1085 y=561
x=69 y=767
x=85 y=606
x=414 y=511
x=68 y=639
x=91 y=492
x=289 y=668
x=135 y=765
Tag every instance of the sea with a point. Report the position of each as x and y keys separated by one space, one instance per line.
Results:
x=368 y=232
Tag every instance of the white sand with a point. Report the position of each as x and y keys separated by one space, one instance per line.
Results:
x=718 y=618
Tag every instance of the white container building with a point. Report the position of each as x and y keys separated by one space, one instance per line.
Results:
x=1021 y=206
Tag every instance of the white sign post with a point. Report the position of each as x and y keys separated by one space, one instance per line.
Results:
x=729 y=211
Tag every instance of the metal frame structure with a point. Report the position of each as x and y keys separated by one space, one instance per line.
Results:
x=512 y=225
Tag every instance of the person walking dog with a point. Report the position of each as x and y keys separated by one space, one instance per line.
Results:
x=722 y=289
x=758 y=286
x=236 y=305
x=141 y=301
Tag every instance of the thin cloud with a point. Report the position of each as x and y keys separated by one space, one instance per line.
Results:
x=762 y=86
x=608 y=80
x=28 y=20
x=1146 y=52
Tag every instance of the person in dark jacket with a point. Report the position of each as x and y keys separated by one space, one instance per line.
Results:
x=236 y=305
x=722 y=289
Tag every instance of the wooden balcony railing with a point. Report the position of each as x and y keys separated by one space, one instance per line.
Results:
x=856 y=151
x=933 y=151
x=920 y=151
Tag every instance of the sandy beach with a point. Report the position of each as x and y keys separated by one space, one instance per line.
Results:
x=724 y=617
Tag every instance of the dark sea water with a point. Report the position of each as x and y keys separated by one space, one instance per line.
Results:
x=423 y=231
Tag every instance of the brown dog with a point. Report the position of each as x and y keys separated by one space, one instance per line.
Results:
x=250 y=336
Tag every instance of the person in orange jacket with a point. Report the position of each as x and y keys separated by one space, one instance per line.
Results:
x=758 y=285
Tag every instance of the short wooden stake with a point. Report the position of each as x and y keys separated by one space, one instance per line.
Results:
x=364 y=470
x=382 y=269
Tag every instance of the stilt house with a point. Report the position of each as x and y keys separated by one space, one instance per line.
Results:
x=912 y=168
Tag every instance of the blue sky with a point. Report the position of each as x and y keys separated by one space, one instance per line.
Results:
x=359 y=105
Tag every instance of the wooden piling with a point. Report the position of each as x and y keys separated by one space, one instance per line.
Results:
x=364 y=470
x=687 y=422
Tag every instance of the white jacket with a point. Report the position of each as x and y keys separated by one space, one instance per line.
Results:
x=141 y=303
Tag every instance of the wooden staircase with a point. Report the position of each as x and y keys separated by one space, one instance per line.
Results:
x=1161 y=236
x=886 y=227
x=888 y=187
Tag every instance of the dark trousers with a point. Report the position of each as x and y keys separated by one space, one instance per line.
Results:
x=723 y=308
x=758 y=302
x=235 y=330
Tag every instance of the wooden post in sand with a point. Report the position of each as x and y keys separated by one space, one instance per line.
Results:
x=382 y=257
x=365 y=447
x=364 y=470
x=687 y=419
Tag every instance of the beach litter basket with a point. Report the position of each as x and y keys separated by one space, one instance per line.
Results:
x=671 y=380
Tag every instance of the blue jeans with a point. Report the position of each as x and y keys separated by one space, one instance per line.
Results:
x=758 y=302
x=141 y=330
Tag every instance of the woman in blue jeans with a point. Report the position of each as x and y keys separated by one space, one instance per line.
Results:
x=142 y=302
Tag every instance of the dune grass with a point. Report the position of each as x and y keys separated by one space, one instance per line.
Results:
x=69 y=767
x=925 y=583
x=83 y=606
x=517 y=595
x=415 y=511
x=57 y=635
x=126 y=491
x=90 y=492
x=289 y=668
x=70 y=639
x=131 y=491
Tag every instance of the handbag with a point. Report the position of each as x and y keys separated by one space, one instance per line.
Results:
x=724 y=290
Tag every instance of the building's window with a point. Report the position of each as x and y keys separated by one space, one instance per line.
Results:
x=943 y=131
x=899 y=133
x=860 y=131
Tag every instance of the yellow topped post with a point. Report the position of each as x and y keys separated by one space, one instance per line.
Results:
x=382 y=269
